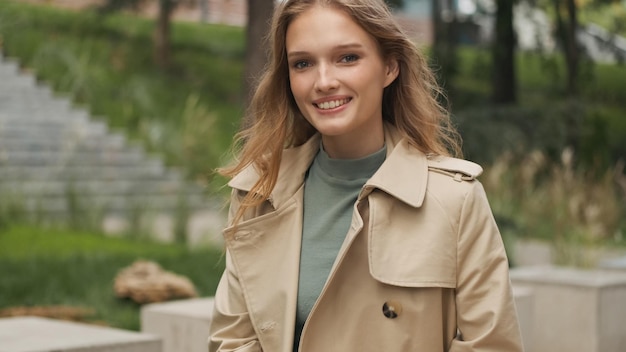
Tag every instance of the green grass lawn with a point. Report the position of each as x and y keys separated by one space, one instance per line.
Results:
x=45 y=267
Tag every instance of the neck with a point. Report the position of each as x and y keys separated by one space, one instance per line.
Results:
x=355 y=147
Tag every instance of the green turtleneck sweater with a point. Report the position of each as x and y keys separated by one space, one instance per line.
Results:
x=330 y=191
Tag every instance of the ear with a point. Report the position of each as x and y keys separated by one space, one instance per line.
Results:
x=393 y=70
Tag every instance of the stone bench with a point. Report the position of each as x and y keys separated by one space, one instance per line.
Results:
x=33 y=334
x=575 y=310
x=183 y=325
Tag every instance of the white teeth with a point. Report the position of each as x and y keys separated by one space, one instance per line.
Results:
x=331 y=104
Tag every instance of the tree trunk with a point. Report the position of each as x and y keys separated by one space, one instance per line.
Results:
x=573 y=52
x=259 y=17
x=566 y=32
x=438 y=29
x=162 y=34
x=445 y=41
x=503 y=53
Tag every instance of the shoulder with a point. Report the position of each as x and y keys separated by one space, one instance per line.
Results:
x=451 y=181
x=457 y=169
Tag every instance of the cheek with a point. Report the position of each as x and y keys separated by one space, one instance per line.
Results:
x=298 y=87
x=299 y=93
x=373 y=84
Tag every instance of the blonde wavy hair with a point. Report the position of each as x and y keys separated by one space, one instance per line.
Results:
x=410 y=103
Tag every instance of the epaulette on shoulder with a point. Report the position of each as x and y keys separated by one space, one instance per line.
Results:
x=458 y=169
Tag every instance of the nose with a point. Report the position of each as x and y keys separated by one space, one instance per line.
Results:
x=326 y=79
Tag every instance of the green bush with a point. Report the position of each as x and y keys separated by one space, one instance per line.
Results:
x=595 y=133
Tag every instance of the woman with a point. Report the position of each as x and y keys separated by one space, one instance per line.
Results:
x=350 y=228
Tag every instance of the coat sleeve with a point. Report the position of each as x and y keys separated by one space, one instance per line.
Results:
x=231 y=328
x=486 y=313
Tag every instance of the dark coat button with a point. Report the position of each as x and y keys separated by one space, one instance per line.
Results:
x=391 y=309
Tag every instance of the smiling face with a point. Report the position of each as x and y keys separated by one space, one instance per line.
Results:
x=337 y=77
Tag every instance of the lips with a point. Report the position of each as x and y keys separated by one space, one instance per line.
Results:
x=331 y=104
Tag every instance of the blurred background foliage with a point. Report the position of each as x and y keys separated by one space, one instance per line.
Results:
x=553 y=147
x=188 y=109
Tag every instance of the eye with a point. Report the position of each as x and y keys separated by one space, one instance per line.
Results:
x=301 y=64
x=349 y=58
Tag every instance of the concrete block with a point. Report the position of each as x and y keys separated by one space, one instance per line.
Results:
x=33 y=334
x=618 y=263
x=524 y=303
x=182 y=325
x=204 y=227
x=532 y=252
x=575 y=310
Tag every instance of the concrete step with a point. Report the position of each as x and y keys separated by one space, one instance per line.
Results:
x=31 y=101
x=72 y=115
x=35 y=94
x=74 y=133
x=73 y=158
x=22 y=90
x=16 y=86
x=41 y=109
x=36 y=111
x=152 y=170
x=50 y=188
x=109 y=143
x=105 y=203
x=33 y=334
x=51 y=120
x=17 y=80
x=36 y=126
x=17 y=91
x=8 y=65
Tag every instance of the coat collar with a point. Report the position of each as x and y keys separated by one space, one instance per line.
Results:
x=403 y=174
x=293 y=166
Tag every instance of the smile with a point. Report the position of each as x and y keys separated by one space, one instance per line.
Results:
x=327 y=105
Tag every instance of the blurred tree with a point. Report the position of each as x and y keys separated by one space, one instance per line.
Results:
x=162 y=41
x=566 y=15
x=504 y=81
x=259 y=17
x=444 y=52
x=395 y=4
x=161 y=34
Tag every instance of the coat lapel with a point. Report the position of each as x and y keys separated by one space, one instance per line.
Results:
x=266 y=254
x=293 y=166
x=266 y=249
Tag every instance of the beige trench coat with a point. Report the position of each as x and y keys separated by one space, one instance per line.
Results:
x=422 y=268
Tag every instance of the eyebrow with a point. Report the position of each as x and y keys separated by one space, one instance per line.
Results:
x=338 y=47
